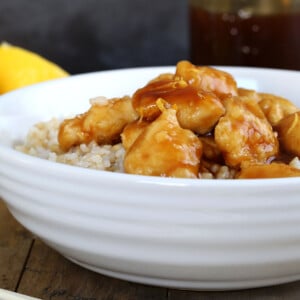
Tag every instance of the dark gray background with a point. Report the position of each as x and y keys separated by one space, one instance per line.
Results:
x=91 y=35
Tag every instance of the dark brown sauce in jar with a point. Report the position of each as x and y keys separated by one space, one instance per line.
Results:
x=235 y=38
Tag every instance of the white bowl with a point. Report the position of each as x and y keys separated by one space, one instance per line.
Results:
x=182 y=233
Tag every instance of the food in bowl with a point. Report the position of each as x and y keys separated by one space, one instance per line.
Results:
x=194 y=123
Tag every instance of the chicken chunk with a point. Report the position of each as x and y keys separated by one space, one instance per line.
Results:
x=102 y=123
x=273 y=170
x=207 y=79
x=132 y=131
x=197 y=110
x=165 y=149
x=276 y=108
x=289 y=133
x=242 y=136
x=246 y=94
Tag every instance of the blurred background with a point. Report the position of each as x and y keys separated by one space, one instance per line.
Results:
x=91 y=35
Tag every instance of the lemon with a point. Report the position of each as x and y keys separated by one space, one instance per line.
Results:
x=20 y=67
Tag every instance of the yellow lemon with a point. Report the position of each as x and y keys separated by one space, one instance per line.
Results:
x=20 y=67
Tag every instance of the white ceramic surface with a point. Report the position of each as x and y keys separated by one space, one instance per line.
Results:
x=184 y=233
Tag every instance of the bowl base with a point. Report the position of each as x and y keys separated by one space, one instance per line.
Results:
x=196 y=285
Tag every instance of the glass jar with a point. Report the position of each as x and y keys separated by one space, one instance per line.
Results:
x=260 y=33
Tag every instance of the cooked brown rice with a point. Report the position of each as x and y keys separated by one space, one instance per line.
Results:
x=42 y=142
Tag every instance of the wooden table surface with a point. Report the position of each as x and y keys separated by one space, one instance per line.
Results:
x=30 y=267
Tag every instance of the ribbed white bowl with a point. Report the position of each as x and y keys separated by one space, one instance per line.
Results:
x=184 y=233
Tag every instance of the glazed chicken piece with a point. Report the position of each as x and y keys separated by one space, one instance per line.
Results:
x=132 y=131
x=102 y=123
x=289 y=133
x=246 y=94
x=276 y=108
x=273 y=170
x=207 y=79
x=197 y=110
x=165 y=149
x=244 y=134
